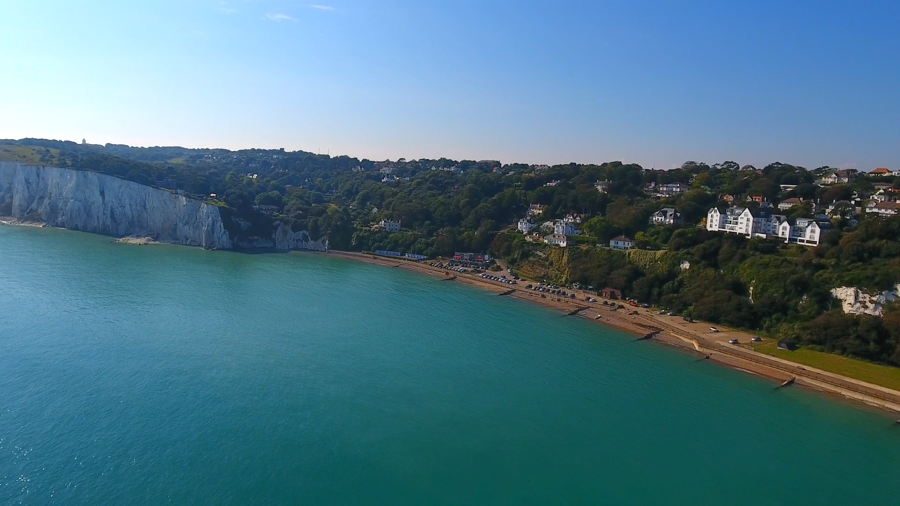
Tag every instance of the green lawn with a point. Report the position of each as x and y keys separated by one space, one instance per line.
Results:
x=883 y=375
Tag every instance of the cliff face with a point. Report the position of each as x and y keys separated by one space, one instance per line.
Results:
x=285 y=238
x=91 y=202
x=855 y=301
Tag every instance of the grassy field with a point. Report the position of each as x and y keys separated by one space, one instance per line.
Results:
x=28 y=155
x=883 y=375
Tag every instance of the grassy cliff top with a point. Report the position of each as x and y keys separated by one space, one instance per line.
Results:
x=29 y=155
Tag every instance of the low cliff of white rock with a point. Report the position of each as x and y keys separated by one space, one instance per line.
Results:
x=282 y=238
x=856 y=301
x=91 y=202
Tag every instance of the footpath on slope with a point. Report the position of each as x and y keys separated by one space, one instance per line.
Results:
x=712 y=345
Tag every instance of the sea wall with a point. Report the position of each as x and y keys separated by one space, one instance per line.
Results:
x=97 y=203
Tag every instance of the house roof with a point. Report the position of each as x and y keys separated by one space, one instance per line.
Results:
x=888 y=205
x=760 y=212
x=881 y=170
x=622 y=238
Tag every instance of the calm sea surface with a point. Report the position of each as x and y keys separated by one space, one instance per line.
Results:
x=172 y=375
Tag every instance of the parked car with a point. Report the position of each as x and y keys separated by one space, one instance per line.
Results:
x=733 y=341
x=756 y=339
x=713 y=329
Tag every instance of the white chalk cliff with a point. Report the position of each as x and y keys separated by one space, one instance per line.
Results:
x=92 y=202
x=855 y=301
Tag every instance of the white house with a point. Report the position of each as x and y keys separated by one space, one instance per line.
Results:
x=621 y=243
x=389 y=225
x=760 y=222
x=884 y=208
x=670 y=189
x=602 y=186
x=805 y=231
x=747 y=221
x=839 y=177
x=526 y=225
x=791 y=202
x=562 y=227
x=557 y=240
x=665 y=216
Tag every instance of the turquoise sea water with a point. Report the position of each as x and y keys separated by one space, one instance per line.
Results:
x=172 y=375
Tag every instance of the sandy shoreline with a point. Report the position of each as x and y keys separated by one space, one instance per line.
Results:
x=671 y=331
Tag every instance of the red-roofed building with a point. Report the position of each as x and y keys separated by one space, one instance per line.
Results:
x=881 y=171
x=611 y=293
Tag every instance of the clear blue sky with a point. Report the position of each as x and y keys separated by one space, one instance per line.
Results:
x=651 y=82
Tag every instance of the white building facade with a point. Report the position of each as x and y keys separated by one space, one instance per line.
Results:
x=760 y=222
x=526 y=225
x=557 y=240
x=803 y=231
x=884 y=208
x=621 y=243
x=665 y=216
x=389 y=225
x=746 y=221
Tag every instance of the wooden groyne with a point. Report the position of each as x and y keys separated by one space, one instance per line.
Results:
x=648 y=335
x=788 y=382
x=450 y=278
x=577 y=310
x=508 y=292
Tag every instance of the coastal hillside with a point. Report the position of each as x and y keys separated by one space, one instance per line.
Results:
x=802 y=255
